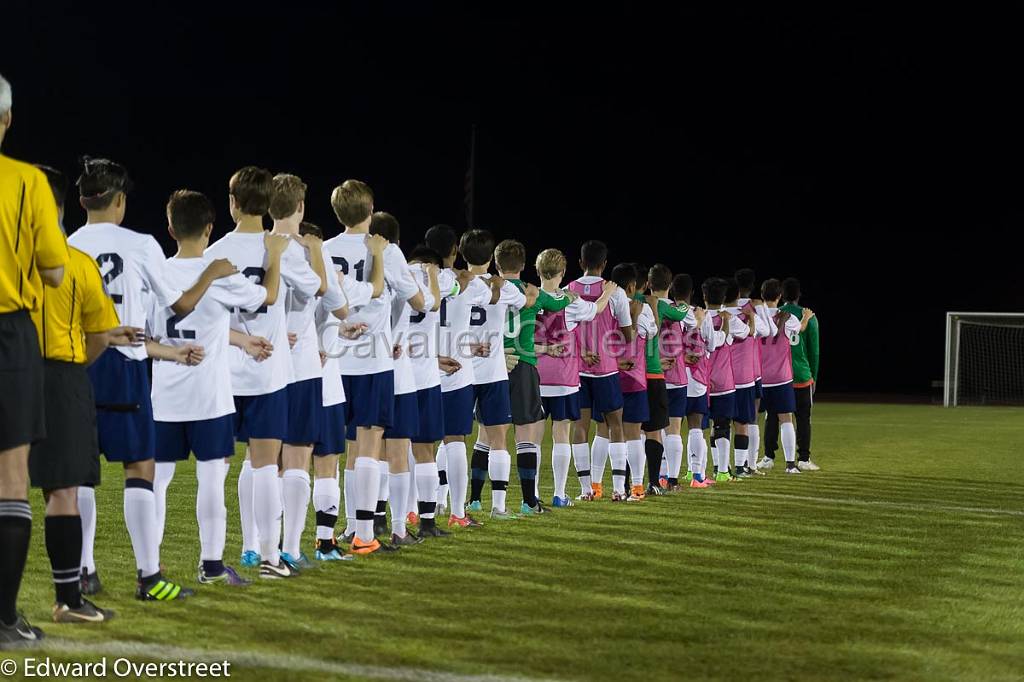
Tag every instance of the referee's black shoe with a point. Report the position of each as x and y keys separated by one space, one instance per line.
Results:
x=21 y=635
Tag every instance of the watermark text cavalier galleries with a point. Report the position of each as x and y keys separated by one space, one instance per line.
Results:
x=115 y=668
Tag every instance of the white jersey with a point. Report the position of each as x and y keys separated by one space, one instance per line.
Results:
x=327 y=326
x=487 y=324
x=401 y=314
x=372 y=352
x=132 y=266
x=301 y=312
x=182 y=393
x=424 y=330
x=455 y=335
x=246 y=252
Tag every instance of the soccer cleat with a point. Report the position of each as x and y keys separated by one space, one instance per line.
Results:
x=743 y=472
x=466 y=521
x=688 y=477
x=586 y=497
x=432 y=531
x=598 y=491
x=360 y=547
x=474 y=506
x=158 y=589
x=440 y=510
x=561 y=502
x=765 y=463
x=380 y=525
x=527 y=510
x=250 y=559
x=618 y=497
x=636 y=494
x=281 y=571
x=91 y=583
x=807 y=465
x=656 y=491
x=725 y=477
x=346 y=539
x=411 y=519
x=228 y=577
x=663 y=482
x=301 y=562
x=754 y=471
x=790 y=469
x=699 y=484
x=406 y=540
x=86 y=613
x=503 y=515
x=328 y=550
x=21 y=635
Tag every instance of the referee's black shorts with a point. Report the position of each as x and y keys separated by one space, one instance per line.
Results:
x=70 y=455
x=21 y=382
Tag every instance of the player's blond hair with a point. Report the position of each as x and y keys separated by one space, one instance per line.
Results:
x=550 y=263
x=352 y=202
x=289 y=192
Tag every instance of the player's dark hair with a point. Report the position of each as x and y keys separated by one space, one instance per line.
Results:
x=477 y=246
x=58 y=183
x=510 y=256
x=745 y=279
x=682 y=287
x=424 y=254
x=189 y=213
x=624 y=274
x=732 y=289
x=386 y=225
x=100 y=181
x=441 y=238
x=714 y=289
x=791 y=289
x=593 y=254
x=252 y=187
x=771 y=289
x=641 y=275
x=306 y=227
x=659 y=277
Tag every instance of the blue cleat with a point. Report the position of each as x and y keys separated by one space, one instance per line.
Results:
x=327 y=550
x=474 y=507
x=559 y=502
x=250 y=559
x=300 y=562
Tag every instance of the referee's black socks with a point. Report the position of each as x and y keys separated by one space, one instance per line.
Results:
x=15 y=532
x=64 y=546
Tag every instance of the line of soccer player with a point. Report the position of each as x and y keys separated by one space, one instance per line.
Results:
x=305 y=349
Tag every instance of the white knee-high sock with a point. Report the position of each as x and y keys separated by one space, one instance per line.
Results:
x=617 y=452
x=697 y=448
x=211 y=513
x=266 y=504
x=599 y=453
x=788 y=434
x=754 y=434
x=399 y=501
x=499 y=465
x=296 y=504
x=140 y=517
x=367 y=492
x=87 y=510
x=426 y=485
x=581 y=460
x=637 y=461
x=443 y=485
x=561 y=455
x=673 y=456
x=536 y=480
x=722 y=450
x=412 y=495
x=161 y=481
x=250 y=536
x=326 y=504
x=458 y=477
x=351 y=496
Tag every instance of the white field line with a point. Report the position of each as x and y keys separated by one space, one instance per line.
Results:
x=267 y=661
x=854 y=502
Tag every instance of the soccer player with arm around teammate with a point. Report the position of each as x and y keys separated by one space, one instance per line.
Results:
x=558 y=364
x=600 y=342
x=806 y=361
x=743 y=355
x=745 y=277
x=698 y=344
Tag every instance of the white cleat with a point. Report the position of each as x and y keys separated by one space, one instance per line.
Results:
x=765 y=464
x=808 y=466
x=790 y=469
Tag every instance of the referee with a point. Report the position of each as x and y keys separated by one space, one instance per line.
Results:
x=33 y=251
x=76 y=322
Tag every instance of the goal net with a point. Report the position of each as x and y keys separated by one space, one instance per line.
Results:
x=984 y=359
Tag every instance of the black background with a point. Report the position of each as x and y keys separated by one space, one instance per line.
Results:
x=875 y=155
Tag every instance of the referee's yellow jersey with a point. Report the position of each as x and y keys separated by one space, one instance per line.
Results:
x=30 y=237
x=80 y=305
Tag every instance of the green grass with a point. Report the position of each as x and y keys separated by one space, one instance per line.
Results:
x=898 y=561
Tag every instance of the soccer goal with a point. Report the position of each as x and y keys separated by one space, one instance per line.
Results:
x=984 y=359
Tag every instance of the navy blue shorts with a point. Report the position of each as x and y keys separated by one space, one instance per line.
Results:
x=635 y=407
x=124 y=409
x=779 y=399
x=332 y=431
x=745 y=408
x=601 y=395
x=697 y=404
x=431 y=418
x=677 y=402
x=563 y=407
x=723 y=406
x=458 y=411
x=208 y=439
x=406 y=420
x=370 y=400
x=305 y=410
x=759 y=389
x=493 y=403
x=261 y=416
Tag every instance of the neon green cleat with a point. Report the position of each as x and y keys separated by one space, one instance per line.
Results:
x=724 y=477
x=503 y=515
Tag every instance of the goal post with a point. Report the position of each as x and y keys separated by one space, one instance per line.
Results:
x=984 y=359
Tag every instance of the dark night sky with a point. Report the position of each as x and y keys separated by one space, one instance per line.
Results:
x=876 y=156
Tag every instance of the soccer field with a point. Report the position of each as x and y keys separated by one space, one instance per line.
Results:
x=902 y=559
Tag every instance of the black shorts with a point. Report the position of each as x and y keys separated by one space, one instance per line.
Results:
x=657 y=401
x=524 y=391
x=70 y=454
x=21 y=382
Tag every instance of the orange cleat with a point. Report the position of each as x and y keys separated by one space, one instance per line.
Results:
x=598 y=491
x=663 y=482
x=411 y=519
x=360 y=547
x=636 y=494
x=699 y=484
x=466 y=521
